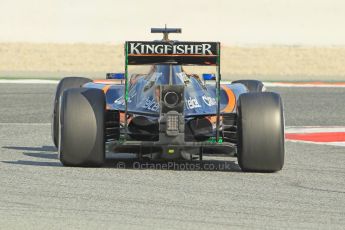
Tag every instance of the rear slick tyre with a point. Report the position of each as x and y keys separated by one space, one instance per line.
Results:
x=81 y=139
x=261 y=138
x=65 y=83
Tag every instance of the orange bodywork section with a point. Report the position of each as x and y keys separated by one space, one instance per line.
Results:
x=106 y=88
x=108 y=81
x=231 y=100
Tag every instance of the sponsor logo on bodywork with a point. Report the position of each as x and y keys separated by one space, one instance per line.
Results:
x=141 y=48
x=151 y=104
x=121 y=100
x=178 y=53
x=192 y=103
x=210 y=101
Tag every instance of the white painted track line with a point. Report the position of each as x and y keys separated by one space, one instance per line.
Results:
x=306 y=84
x=34 y=124
x=28 y=81
x=267 y=84
x=314 y=129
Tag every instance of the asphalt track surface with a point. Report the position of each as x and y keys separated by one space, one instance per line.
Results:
x=36 y=192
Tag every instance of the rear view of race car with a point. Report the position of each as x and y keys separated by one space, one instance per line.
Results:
x=168 y=113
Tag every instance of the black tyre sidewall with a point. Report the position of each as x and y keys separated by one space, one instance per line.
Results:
x=81 y=136
x=65 y=83
x=260 y=132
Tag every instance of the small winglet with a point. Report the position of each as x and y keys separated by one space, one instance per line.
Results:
x=166 y=31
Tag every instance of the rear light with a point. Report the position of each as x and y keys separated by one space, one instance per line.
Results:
x=172 y=123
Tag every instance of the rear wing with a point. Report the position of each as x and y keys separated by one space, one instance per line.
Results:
x=172 y=52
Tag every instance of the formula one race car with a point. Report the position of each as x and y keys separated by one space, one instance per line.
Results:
x=167 y=113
